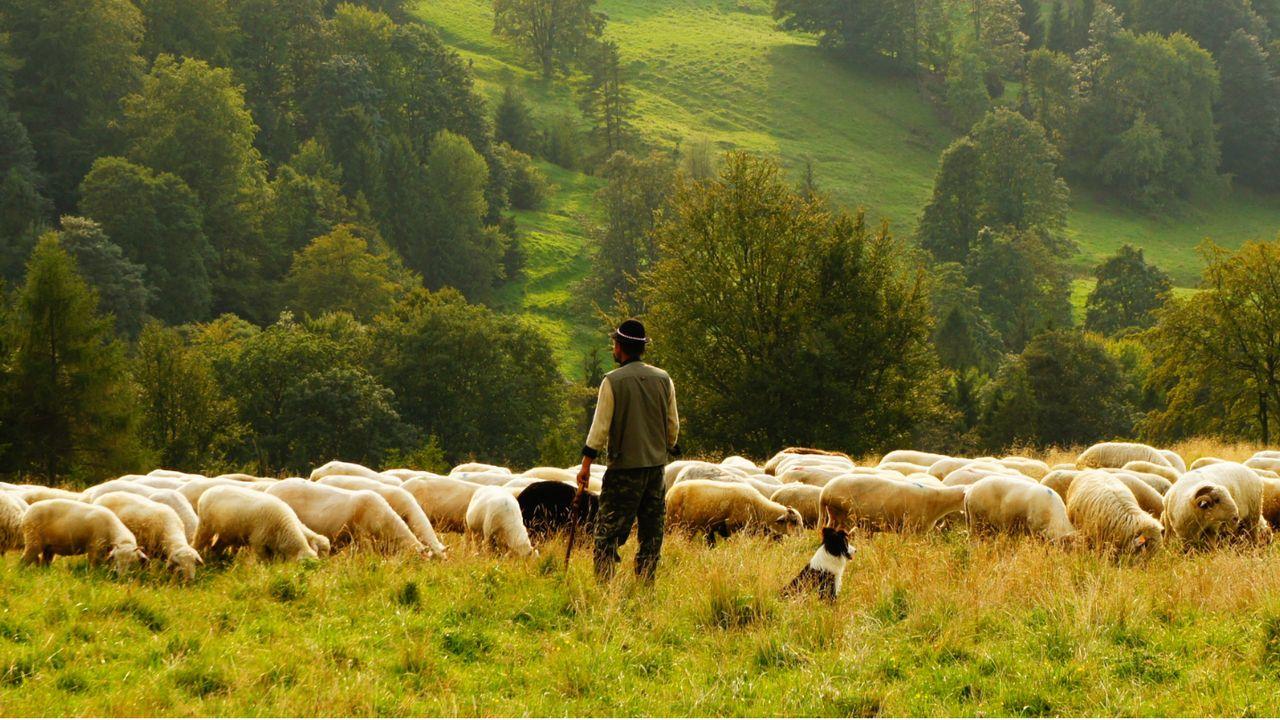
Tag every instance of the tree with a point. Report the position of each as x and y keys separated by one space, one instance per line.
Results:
x=156 y=221
x=186 y=419
x=513 y=122
x=1049 y=93
x=349 y=398
x=790 y=323
x=1127 y=293
x=1002 y=176
x=553 y=32
x=1064 y=390
x=1249 y=110
x=189 y=119
x=484 y=384
x=118 y=283
x=76 y=60
x=307 y=201
x=605 y=101
x=893 y=33
x=71 y=407
x=635 y=191
x=200 y=29
x=1214 y=354
x=962 y=335
x=967 y=97
x=23 y=209
x=1211 y=24
x=457 y=249
x=1001 y=41
x=1023 y=288
x=1031 y=23
x=341 y=272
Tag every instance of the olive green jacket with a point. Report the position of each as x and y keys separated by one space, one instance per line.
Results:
x=636 y=415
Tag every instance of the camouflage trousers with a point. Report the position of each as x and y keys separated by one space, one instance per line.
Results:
x=632 y=496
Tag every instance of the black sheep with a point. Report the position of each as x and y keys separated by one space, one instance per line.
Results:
x=547 y=508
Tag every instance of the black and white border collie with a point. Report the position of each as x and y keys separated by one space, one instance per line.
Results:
x=826 y=568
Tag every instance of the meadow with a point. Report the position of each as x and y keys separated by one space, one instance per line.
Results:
x=721 y=71
x=936 y=624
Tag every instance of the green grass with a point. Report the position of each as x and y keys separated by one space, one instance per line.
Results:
x=926 y=625
x=721 y=69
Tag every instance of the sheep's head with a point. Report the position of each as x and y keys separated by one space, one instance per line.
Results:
x=319 y=544
x=1216 y=509
x=183 y=562
x=126 y=557
x=1148 y=539
x=789 y=519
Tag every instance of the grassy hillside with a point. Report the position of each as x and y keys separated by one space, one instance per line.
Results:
x=721 y=69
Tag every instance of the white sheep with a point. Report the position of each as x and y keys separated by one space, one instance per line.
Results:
x=1012 y=504
x=741 y=463
x=723 y=508
x=484 y=478
x=32 y=494
x=403 y=474
x=1175 y=460
x=493 y=518
x=237 y=517
x=344 y=516
x=799 y=454
x=551 y=473
x=180 y=505
x=975 y=471
x=401 y=501
x=338 y=467
x=1198 y=509
x=1246 y=489
x=945 y=466
x=70 y=527
x=879 y=502
x=157 y=529
x=12 y=508
x=1105 y=512
x=1060 y=480
x=196 y=489
x=1143 y=466
x=1148 y=498
x=1116 y=454
x=816 y=476
x=804 y=498
x=1263 y=463
x=443 y=499
x=903 y=468
x=475 y=467
x=1270 y=498
x=1206 y=461
x=915 y=457
x=1032 y=468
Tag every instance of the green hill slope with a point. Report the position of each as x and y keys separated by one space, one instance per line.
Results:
x=721 y=69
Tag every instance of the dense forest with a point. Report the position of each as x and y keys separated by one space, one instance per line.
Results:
x=267 y=233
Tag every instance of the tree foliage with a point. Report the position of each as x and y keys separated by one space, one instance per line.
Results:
x=119 y=284
x=788 y=322
x=553 y=32
x=343 y=272
x=1127 y=293
x=636 y=189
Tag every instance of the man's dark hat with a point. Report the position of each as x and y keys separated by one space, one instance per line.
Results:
x=630 y=331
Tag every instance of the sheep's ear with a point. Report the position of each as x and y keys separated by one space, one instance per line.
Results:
x=1205 y=498
x=1140 y=541
x=142 y=556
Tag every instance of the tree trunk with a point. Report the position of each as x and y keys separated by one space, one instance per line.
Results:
x=1262 y=418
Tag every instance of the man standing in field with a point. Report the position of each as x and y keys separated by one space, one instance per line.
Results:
x=636 y=417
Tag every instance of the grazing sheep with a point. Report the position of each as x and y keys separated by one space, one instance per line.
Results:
x=1263 y=463
x=241 y=477
x=905 y=468
x=1175 y=460
x=1246 y=489
x=93 y=493
x=1205 y=462
x=551 y=473
x=483 y=478
x=162 y=473
x=814 y=476
x=345 y=516
x=160 y=483
x=233 y=516
x=494 y=519
x=793 y=453
x=825 y=570
x=1010 y=504
x=1032 y=468
x=1159 y=483
x=914 y=457
x=741 y=463
x=12 y=508
x=180 y=505
x=32 y=494
x=723 y=508
x=518 y=483
x=70 y=527
x=880 y=503
x=813 y=461
x=403 y=474
x=975 y=471
x=1105 y=512
x=804 y=498
x=157 y=528
x=337 y=467
x=1116 y=454
x=1147 y=497
x=699 y=470
x=1198 y=509
x=443 y=499
x=1060 y=480
x=476 y=467
x=546 y=507
x=401 y=501
x=1270 y=500
x=196 y=489
x=1150 y=468
x=945 y=466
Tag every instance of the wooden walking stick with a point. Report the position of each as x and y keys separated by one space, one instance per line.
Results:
x=574 y=513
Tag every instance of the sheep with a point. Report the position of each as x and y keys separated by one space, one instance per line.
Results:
x=762 y=486
x=804 y=498
x=32 y=494
x=70 y=527
x=812 y=461
x=172 y=498
x=157 y=528
x=945 y=466
x=484 y=478
x=475 y=467
x=1105 y=513
x=1148 y=499
x=12 y=509
x=1034 y=469
x=403 y=474
x=233 y=516
x=741 y=463
x=159 y=483
x=345 y=516
x=1263 y=463
x=240 y=477
x=1159 y=483
x=905 y=468
x=1198 y=509
x=1175 y=460
x=551 y=473
x=1060 y=480
x=914 y=457
x=1017 y=504
x=810 y=475
x=338 y=467
x=1144 y=466
x=493 y=518
x=1270 y=499
x=518 y=483
x=1246 y=489
x=1205 y=462
x=699 y=470
x=975 y=471
x=1116 y=454
x=443 y=499
x=401 y=501
x=162 y=473
x=94 y=492
x=723 y=508
x=791 y=453
x=878 y=502
x=546 y=507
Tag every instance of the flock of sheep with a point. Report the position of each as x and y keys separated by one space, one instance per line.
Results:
x=1123 y=497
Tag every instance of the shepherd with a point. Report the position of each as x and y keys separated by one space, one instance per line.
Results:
x=636 y=419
